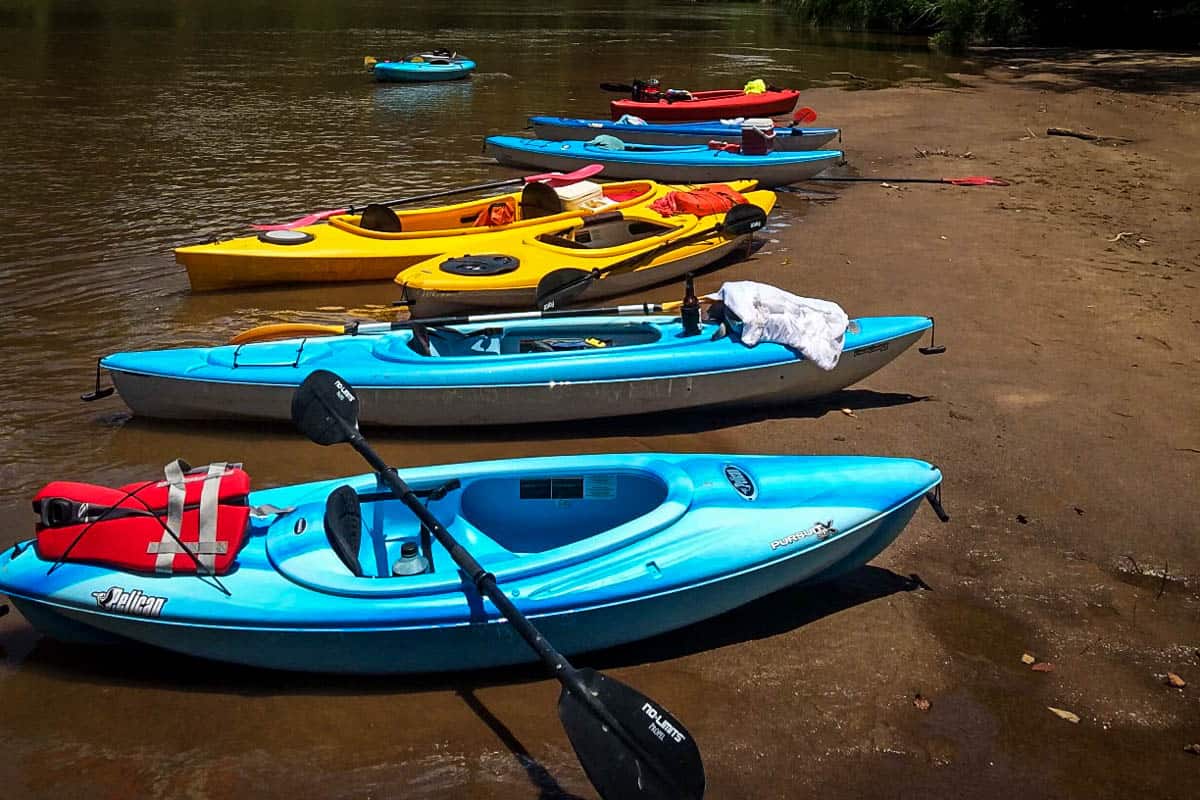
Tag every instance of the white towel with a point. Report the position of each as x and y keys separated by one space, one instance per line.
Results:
x=816 y=328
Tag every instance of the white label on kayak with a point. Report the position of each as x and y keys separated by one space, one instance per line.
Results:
x=599 y=487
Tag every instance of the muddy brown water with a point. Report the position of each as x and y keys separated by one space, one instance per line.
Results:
x=130 y=128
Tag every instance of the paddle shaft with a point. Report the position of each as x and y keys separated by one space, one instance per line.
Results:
x=485 y=583
x=972 y=181
x=515 y=316
x=546 y=300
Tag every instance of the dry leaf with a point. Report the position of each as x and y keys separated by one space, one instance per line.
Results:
x=1175 y=681
x=921 y=703
x=1064 y=714
x=849 y=413
x=1027 y=659
x=1043 y=666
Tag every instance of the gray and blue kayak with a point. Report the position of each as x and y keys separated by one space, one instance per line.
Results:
x=668 y=164
x=680 y=133
x=507 y=372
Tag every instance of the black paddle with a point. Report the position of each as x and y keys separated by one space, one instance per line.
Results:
x=629 y=745
x=616 y=87
x=558 y=287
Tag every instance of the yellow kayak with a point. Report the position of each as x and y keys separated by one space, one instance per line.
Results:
x=365 y=247
x=632 y=249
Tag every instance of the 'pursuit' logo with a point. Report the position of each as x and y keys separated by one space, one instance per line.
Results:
x=133 y=602
x=821 y=530
x=740 y=481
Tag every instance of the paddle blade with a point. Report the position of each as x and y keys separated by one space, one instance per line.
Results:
x=662 y=761
x=742 y=219
x=975 y=180
x=285 y=330
x=556 y=288
x=566 y=178
x=325 y=409
x=616 y=87
x=804 y=116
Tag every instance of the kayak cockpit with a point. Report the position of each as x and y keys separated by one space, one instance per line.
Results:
x=514 y=340
x=515 y=524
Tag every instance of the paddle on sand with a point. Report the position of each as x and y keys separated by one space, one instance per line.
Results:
x=558 y=287
x=970 y=180
x=552 y=178
x=292 y=330
x=629 y=745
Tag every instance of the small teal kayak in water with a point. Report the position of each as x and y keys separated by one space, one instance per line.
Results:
x=674 y=133
x=438 y=65
x=664 y=163
x=504 y=372
x=597 y=550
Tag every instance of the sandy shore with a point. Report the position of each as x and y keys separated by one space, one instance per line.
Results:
x=1065 y=415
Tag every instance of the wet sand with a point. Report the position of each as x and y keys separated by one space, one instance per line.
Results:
x=1064 y=416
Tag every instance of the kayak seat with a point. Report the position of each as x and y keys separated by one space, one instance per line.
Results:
x=343 y=526
x=380 y=218
x=539 y=200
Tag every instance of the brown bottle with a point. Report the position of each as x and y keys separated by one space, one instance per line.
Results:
x=689 y=313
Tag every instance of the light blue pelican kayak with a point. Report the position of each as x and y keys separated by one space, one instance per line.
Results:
x=439 y=65
x=506 y=372
x=664 y=163
x=678 y=133
x=597 y=550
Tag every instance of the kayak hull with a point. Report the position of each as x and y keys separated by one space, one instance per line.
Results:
x=710 y=105
x=340 y=250
x=538 y=393
x=691 y=569
x=434 y=302
x=557 y=129
x=629 y=250
x=686 y=164
x=422 y=72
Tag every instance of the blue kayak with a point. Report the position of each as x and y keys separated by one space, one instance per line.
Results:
x=439 y=65
x=503 y=372
x=597 y=550
x=678 y=133
x=663 y=163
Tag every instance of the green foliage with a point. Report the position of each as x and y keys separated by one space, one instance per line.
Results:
x=957 y=23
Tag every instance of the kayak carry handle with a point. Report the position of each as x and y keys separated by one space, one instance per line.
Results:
x=934 y=496
x=933 y=349
x=97 y=393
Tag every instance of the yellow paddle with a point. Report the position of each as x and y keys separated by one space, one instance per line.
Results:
x=294 y=330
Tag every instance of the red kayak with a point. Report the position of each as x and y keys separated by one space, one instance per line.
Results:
x=717 y=104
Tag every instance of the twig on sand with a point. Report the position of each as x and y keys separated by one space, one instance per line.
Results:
x=1091 y=137
x=852 y=76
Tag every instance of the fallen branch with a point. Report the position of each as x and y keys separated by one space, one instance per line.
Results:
x=1091 y=137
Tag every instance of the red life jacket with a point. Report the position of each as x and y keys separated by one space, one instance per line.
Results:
x=715 y=198
x=130 y=528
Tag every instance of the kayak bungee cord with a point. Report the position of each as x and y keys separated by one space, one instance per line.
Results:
x=109 y=513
